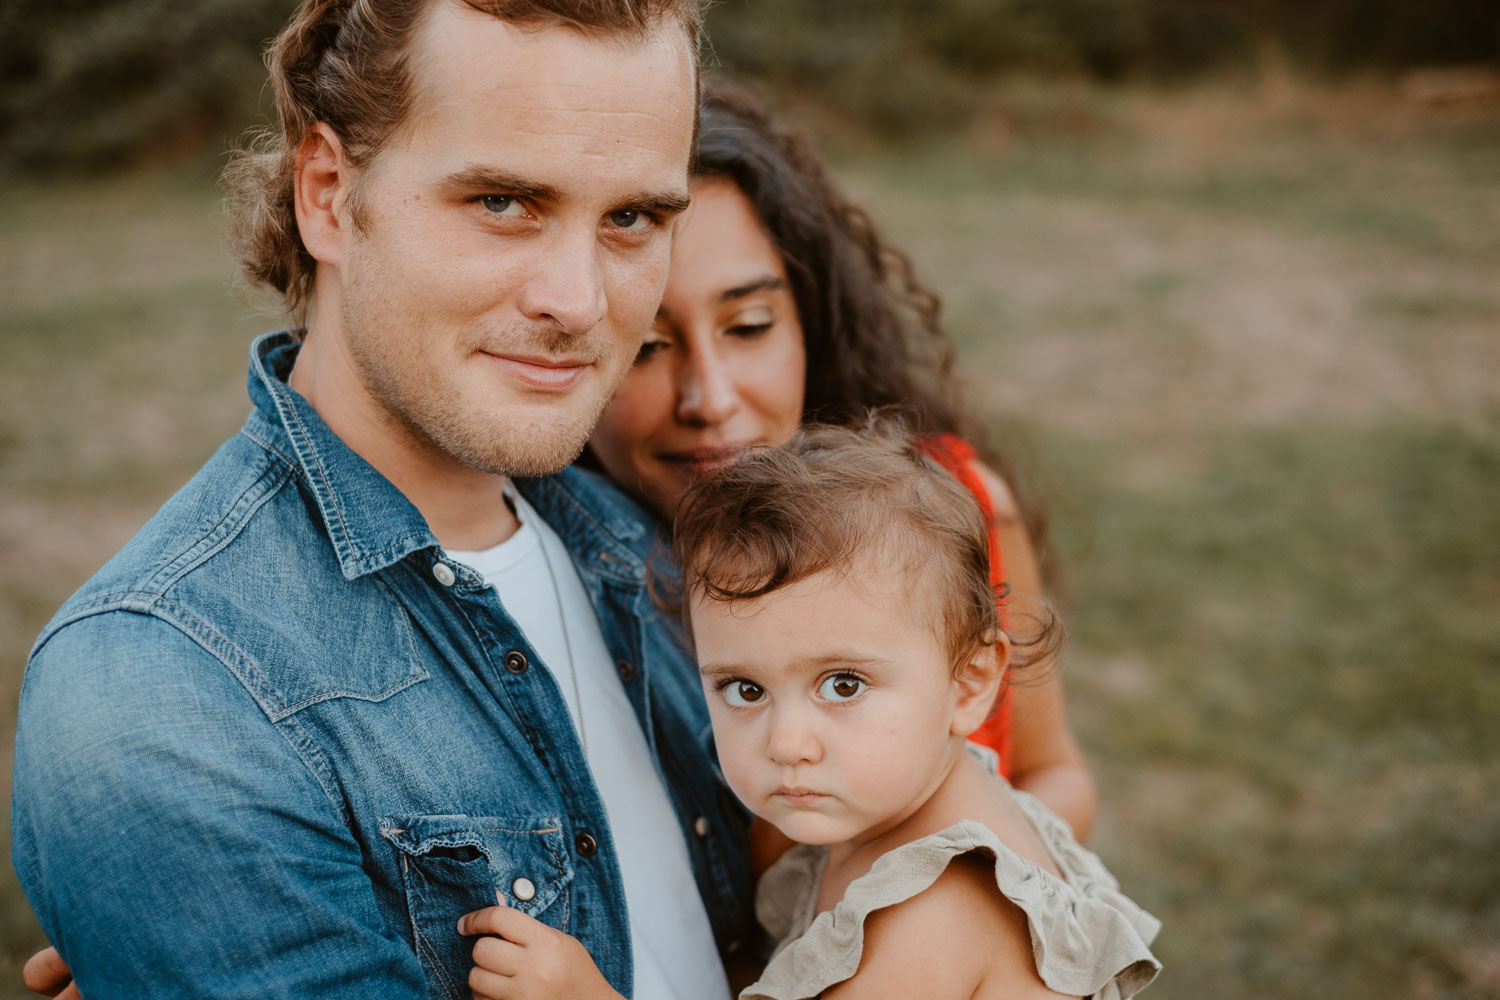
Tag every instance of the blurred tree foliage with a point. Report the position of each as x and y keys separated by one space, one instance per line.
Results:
x=902 y=65
x=90 y=84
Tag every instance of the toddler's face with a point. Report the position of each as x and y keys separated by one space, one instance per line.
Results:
x=833 y=705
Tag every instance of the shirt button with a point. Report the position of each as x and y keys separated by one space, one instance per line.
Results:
x=625 y=669
x=515 y=661
x=523 y=889
x=700 y=826
x=586 y=844
x=443 y=573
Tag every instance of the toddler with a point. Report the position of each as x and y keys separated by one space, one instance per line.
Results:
x=838 y=596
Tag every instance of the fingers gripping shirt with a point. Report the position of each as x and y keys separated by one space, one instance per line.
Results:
x=671 y=941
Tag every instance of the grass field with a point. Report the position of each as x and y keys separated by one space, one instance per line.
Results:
x=1246 y=344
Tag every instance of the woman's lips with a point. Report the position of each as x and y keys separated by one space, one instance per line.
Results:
x=701 y=461
x=555 y=374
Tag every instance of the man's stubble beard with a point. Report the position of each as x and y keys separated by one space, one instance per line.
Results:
x=435 y=414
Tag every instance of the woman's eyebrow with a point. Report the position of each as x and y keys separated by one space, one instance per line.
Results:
x=768 y=283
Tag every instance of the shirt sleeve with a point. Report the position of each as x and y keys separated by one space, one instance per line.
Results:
x=174 y=842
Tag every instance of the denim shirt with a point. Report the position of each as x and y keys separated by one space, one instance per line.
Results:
x=280 y=742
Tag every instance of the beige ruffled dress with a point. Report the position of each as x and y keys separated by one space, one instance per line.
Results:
x=1089 y=939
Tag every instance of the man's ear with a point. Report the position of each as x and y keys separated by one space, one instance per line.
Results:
x=321 y=181
x=977 y=684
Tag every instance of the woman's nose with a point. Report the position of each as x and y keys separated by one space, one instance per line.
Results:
x=706 y=390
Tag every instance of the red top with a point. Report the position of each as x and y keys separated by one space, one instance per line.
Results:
x=959 y=458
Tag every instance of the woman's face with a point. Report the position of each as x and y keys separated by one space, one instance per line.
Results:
x=723 y=367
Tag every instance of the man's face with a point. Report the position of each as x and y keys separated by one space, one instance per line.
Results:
x=506 y=253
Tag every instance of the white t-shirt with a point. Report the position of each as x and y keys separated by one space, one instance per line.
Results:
x=670 y=937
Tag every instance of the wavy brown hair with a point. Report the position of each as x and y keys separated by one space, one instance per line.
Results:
x=873 y=332
x=346 y=63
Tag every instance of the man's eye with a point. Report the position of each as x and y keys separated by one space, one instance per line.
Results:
x=629 y=219
x=841 y=687
x=743 y=694
x=503 y=204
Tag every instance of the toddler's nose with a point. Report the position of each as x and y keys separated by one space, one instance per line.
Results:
x=792 y=740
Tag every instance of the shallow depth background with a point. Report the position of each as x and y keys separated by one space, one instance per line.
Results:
x=1241 y=333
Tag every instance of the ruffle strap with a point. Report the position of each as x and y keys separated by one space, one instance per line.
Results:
x=1088 y=938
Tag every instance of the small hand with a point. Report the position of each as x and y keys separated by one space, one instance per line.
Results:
x=46 y=973
x=527 y=960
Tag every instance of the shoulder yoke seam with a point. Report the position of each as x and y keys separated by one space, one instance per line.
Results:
x=235 y=661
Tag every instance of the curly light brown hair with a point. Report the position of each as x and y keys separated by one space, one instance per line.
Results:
x=345 y=63
x=831 y=494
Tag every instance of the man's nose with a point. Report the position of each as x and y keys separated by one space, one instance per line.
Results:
x=567 y=286
x=792 y=738
x=706 y=389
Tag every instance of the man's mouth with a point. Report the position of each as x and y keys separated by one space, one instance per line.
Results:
x=539 y=371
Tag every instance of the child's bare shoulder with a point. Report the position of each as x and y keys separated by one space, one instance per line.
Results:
x=977 y=940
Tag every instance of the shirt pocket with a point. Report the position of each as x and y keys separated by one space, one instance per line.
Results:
x=451 y=865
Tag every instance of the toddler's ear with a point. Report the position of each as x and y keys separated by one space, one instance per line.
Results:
x=977 y=683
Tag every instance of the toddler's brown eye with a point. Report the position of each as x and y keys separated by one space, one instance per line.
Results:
x=743 y=694
x=842 y=687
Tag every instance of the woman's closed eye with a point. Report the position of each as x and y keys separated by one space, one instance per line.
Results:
x=751 y=323
x=654 y=344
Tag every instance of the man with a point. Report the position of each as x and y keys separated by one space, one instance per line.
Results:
x=353 y=681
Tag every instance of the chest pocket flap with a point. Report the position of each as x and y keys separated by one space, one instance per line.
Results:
x=451 y=865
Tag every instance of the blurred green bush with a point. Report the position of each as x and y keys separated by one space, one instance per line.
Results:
x=92 y=84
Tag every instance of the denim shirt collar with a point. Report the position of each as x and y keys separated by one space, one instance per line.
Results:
x=373 y=525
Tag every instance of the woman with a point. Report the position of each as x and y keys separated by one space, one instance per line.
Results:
x=784 y=306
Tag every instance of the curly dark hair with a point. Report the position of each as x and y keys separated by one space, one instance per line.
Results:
x=872 y=331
